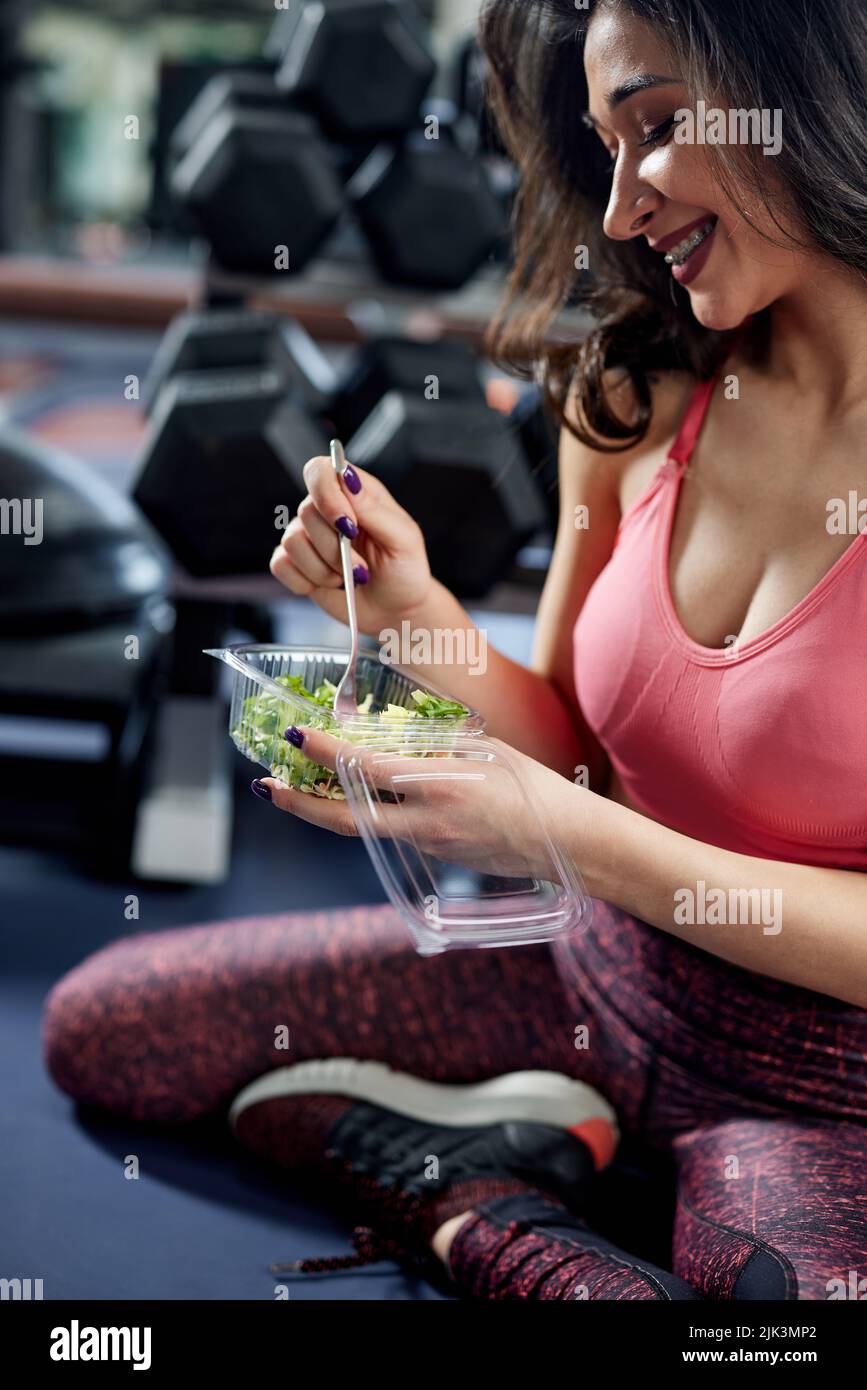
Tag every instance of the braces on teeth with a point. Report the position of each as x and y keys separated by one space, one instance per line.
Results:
x=681 y=253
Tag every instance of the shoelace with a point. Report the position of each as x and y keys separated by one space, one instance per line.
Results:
x=370 y=1248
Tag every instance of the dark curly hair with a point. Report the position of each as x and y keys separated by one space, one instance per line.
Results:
x=742 y=54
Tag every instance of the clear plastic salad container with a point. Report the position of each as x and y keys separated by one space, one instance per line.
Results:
x=279 y=686
x=407 y=735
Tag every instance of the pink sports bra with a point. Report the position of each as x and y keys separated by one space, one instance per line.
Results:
x=760 y=748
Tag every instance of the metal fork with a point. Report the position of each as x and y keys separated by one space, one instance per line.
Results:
x=346 y=699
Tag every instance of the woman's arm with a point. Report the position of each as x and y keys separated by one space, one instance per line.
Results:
x=522 y=707
x=790 y=921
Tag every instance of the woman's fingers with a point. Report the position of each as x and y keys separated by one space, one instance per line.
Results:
x=332 y=814
x=317 y=810
x=430 y=793
x=366 y=505
x=298 y=564
x=416 y=825
x=324 y=538
x=335 y=815
x=355 y=505
x=325 y=749
x=383 y=766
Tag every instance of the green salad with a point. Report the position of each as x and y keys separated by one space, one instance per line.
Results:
x=264 y=718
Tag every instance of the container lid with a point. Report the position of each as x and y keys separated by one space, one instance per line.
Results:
x=454 y=893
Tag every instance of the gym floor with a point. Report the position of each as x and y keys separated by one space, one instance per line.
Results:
x=205 y=1220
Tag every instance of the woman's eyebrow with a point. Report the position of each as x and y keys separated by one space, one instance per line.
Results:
x=640 y=83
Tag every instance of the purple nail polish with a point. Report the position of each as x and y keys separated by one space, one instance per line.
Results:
x=347 y=527
x=361 y=574
x=260 y=789
x=293 y=735
x=351 y=479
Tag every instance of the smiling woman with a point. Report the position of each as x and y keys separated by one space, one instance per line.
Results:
x=654 y=58
x=697 y=656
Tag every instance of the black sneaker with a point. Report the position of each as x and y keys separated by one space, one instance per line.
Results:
x=407 y=1153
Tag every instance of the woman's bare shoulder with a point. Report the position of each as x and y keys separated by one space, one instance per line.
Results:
x=670 y=393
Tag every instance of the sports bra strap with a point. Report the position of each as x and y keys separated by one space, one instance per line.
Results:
x=690 y=426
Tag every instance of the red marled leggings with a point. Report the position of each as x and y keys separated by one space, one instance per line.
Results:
x=756 y=1089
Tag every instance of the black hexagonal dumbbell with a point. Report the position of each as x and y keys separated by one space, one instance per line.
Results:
x=459 y=469
x=445 y=370
x=416 y=414
x=214 y=340
x=254 y=91
x=227 y=446
x=428 y=209
x=255 y=175
x=363 y=66
x=256 y=180
x=222 y=467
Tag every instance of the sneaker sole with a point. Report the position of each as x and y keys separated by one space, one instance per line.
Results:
x=537 y=1097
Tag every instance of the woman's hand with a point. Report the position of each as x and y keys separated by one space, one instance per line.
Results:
x=456 y=808
x=392 y=573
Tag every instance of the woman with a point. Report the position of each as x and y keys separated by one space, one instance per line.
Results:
x=715 y=692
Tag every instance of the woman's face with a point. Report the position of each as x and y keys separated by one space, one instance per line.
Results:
x=666 y=191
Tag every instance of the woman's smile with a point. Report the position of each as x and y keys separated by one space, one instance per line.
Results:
x=688 y=250
x=688 y=262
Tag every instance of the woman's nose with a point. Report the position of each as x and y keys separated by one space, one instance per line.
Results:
x=630 y=205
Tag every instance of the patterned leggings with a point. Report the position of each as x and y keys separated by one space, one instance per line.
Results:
x=753 y=1092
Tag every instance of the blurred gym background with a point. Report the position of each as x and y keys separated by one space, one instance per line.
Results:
x=227 y=232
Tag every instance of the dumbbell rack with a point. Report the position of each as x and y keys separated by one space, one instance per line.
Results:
x=328 y=299
x=353 y=300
